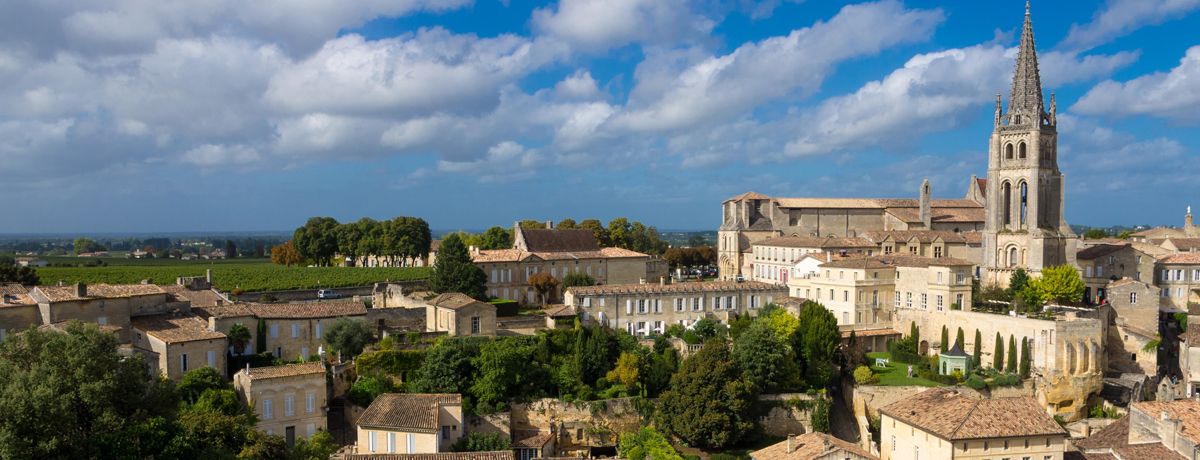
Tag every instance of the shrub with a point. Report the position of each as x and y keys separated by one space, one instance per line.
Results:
x=482 y=442
x=366 y=389
x=975 y=382
x=864 y=376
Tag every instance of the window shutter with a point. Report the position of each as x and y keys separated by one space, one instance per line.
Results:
x=628 y=306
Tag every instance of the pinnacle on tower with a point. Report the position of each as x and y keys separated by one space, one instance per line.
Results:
x=1025 y=102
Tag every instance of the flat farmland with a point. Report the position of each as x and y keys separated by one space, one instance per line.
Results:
x=250 y=275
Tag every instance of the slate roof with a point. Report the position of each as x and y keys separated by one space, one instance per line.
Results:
x=287 y=370
x=809 y=446
x=415 y=412
x=306 y=310
x=497 y=455
x=171 y=328
x=98 y=291
x=559 y=240
x=950 y=415
x=656 y=288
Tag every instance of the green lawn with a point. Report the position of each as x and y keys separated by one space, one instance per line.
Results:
x=248 y=275
x=896 y=373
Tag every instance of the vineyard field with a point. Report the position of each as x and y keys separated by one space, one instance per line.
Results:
x=228 y=276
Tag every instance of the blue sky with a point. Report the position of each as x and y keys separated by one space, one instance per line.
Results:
x=144 y=116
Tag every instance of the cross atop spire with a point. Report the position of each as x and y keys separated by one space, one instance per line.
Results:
x=1026 y=98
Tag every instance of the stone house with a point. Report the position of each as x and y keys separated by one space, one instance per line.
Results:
x=293 y=330
x=559 y=252
x=774 y=258
x=1103 y=263
x=1189 y=357
x=646 y=309
x=1159 y=235
x=929 y=243
x=865 y=291
x=1179 y=280
x=459 y=315
x=410 y=423
x=177 y=343
x=945 y=424
x=1161 y=430
x=1135 y=323
x=812 y=446
x=289 y=400
x=18 y=311
x=102 y=304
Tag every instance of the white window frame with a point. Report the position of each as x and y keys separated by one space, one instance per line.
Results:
x=310 y=402
x=268 y=409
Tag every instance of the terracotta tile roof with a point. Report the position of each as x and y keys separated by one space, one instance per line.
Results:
x=556 y=240
x=15 y=295
x=982 y=184
x=749 y=196
x=416 y=412
x=1186 y=244
x=815 y=242
x=895 y=260
x=1099 y=250
x=841 y=203
x=1183 y=258
x=236 y=310
x=286 y=370
x=455 y=301
x=175 y=329
x=530 y=439
x=1150 y=451
x=566 y=310
x=497 y=455
x=61 y=326
x=200 y=298
x=656 y=288
x=940 y=214
x=809 y=446
x=1116 y=434
x=950 y=415
x=1187 y=411
x=1161 y=232
x=515 y=255
x=98 y=291
x=307 y=310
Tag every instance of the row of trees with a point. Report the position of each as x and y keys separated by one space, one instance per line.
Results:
x=698 y=256
x=72 y=395
x=398 y=239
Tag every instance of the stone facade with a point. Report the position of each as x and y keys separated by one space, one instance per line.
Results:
x=289 y=400
x=176 y=344
x=410 y=423
x=459 y=315
x=1025 y=227
x=1178 y=278
x=645 y=309
x=1104 y=263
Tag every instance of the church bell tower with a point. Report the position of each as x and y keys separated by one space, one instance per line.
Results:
x=1024 y=225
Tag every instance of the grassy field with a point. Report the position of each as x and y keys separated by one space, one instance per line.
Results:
x=896 y=373
x=247 y=275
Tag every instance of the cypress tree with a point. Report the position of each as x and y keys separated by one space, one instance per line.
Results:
x=914 y=332
x=1011 y=366
x=998 y=353
x=945 y=343
x=978 y=355
x=958 y=340
x=1025 y=358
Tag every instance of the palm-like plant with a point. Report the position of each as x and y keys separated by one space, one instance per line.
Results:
x=239 y=336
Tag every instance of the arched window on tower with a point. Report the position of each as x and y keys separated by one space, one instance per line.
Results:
x=1007 y=203
x=1008 y=152
x=1021 y=154
x=1024 y=201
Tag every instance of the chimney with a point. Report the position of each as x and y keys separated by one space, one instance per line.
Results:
x=791 y=446
x=80 y=290
x=926 y=212
x=1188 y=229
x=208 y=276
x=662 y=281
x=549 y=224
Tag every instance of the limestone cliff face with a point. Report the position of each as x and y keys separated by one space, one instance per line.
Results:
x=1067 y=395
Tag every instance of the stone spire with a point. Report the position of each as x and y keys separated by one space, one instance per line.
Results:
x=1026 y=98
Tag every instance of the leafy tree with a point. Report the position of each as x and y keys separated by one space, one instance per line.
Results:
x=627 y=370
x=86 y=245
x=349 y=337
x=11 y=273
x=782 y=323
x=819 y=338
x=945 y=343
x=598 y=231
x=230 y=249
x=354 y=238
x=592 y=351
x=1125 y=234
x=566 y=224
x=262 y=446
x=998 y=353
x=285 y=254
x=977 y=355
x=544 y=284
x=1017 y=282
x=482 y=442
x=1095 y=234
x=1060 y=284
x=709 y=404
x=958 y=339
x=820 y=415
x=574 y=279
x=764 y=359
x=707 y=329
x=1025 y=358
x=619 y=230
x=221 y=400
x=662 y=364
x=317 y=239
x=645 y=444
x=72 y=395
x=914 y=331
x=496 y=238
x=319 y=446
x=367 y=388
x=195 y=382
x=454 y=272
x=863 y=375
x=447 y=367
x=505 y=374
x=239 y=337
x=739 y=323
x=1011 y=364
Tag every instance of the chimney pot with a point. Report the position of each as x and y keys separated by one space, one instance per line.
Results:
x=791 y=445
x=208 y=275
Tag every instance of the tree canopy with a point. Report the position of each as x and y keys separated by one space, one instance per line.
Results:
x=454 y=272
x=709 y=403
x=10 y=272
x=1060 y=284
x=349 y=337
x=317 y=239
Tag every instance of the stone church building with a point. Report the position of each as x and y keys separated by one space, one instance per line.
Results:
x=1018 y=208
